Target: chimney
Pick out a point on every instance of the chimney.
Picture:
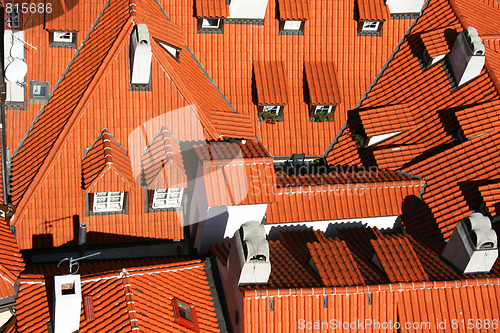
(247, 9)
(68, 303)
(472, 247)
(249, 254)
(140, 54)
(467, 56)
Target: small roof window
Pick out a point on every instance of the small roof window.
(185, 314)
(63, 39)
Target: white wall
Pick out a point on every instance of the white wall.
(405, 6)
(248, 9)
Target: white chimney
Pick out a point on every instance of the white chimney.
(247, 9)
(405, 7)
(249, 254)
(140, 54)
(472, 247)
(68, 303)
(467, 56)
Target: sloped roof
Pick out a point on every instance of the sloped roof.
(11, 261)
(132, 297)
(387, 119)
(63, 16)
(106, 167)
(491, 197)
(211, 8)
(482, 16)
(293, 9)
(322, 82)
(398, 258)
(335, 263)
(271, 82)
(478, 119)
(225, 150)
(438, 42)
(163, 164)
(342, 195)
(373, 10)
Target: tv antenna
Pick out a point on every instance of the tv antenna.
(75, 262)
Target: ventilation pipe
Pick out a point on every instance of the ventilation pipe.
(141, 55)
(467, 56)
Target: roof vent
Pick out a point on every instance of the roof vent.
(68, 303)
(467, 56)
(251, 249)
(472, 247)
(140, 56)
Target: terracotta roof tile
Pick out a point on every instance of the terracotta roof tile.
(296, 242)
(271, 82)
(322, 83)
(106, 167)
(144, 294)
(293, 9)
(225, 150)
(491, 197)
(335, 263)
(163, 164)
(239, 181)
(438, 42)
(212, 8)
(297, 203)
(388, 119)
(373, 10)
(477, 14)
(399, 259)
(64, 17)
(478, 119)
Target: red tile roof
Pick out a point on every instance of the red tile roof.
(63, 16)
(223, 150)
(373, 10)
(484, 17)
(293, 9)
(212, 8)
(271, 82)
(438, 42)
(339, 197)
(133, 297)
(106, 166)
(240, 181)
(335, 263)
(11, 261)
(322, 83)
(388, 119)
(491, 197)
(163, 164)
(478, 119)
(399, 260)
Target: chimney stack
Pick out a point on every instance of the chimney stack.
(467, 56)
(68, 303)
(141, 55)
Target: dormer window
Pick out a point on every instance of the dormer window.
(271, 113)
(370, 28)
(323, 113)
(210, 25)
(166, 198)
(185, 315)
(323, 90)
(292, 27)
(106, 202)
(172, 50)
(64, 39)
(39, 91)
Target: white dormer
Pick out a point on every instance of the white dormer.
(141, 55)
(467, 56)
(68, 303)
(472, 247)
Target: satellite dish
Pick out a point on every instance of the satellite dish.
(16, 71)
(17, 50)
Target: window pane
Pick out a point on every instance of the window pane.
(292, 25)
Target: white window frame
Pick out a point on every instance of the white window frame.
(323, 108)
(205, 23)
(107, 202)
(63, 37)
(167, 198)
(370, 26)
(272, 109)
(37, 90)
(290, 25)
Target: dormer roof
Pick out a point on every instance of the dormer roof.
(293, 10)
(322, 83)
(212, 8)
(106, 167)
(373, 10)
(271, 82)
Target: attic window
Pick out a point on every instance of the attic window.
(185, 315)
(322, 113)
(172, 50)
(166, 198)
(39, 91)
(107, 202)
(370, 28)
(210, 25)
(64, 39)
(271, 113)
(292, 27)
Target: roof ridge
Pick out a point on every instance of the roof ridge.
(34, 177)
(132, 313)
